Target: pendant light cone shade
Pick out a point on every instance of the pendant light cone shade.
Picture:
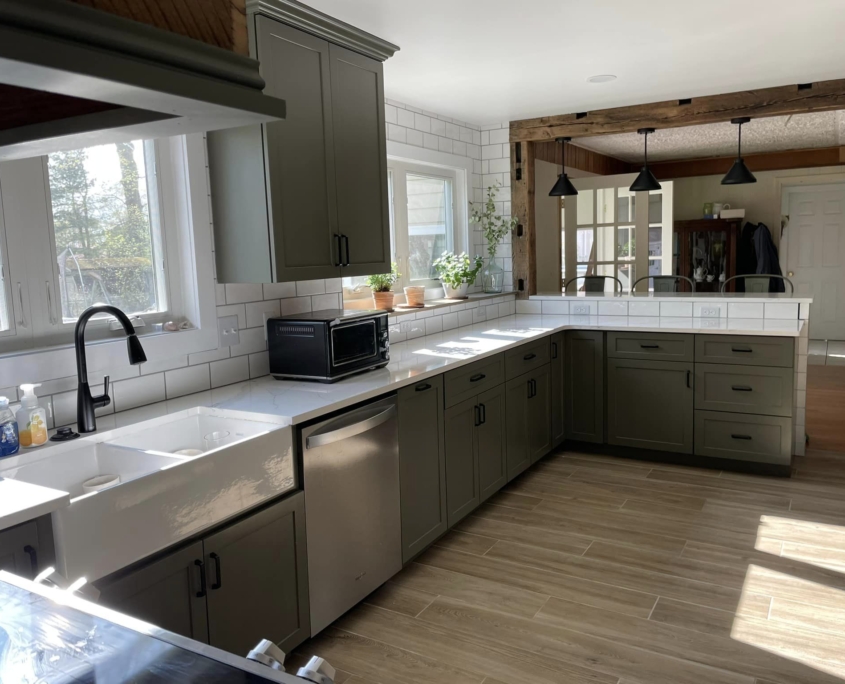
(646, 181)
(563, 186)
(739, 173)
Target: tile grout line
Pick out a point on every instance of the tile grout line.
(584, 552)
(537, 612)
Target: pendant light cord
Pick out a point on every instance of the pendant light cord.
(739, 144)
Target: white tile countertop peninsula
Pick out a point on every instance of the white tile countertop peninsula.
(293, 402)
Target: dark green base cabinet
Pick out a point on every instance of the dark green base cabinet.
(762, 439)
(529, 429)
(585, 385)
(558, 369)
(650, 404)
(475, 451)
(26, 549)
(422, 465)
(245, 582)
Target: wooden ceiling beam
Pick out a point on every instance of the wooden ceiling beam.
(766, 161)
(582, 159)
(782, 100)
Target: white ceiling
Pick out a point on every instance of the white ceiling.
(776, 133)
(488, 61)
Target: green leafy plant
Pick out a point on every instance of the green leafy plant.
(493, 225)
(382, 282)
(456, 269)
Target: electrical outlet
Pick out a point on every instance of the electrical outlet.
(710, 311)
(228, 334)
(581, 309)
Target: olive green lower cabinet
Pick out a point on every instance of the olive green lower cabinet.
(558, 370)
(475, 451)
(529, 419)
(19, 549)
(650, 404)
(584, 390)
(422, 465)
(245, 582)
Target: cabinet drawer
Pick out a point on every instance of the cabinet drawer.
(748, 351)
(526, 358)
(464, 383)
(767, 391)
(764, 439)
(654, 346)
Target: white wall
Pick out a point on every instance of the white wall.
(761, 200)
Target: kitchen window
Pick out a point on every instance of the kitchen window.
(424, 223)
(125, 224)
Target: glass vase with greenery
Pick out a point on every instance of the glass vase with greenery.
(381, 284)
(457, 272)
(494, 227)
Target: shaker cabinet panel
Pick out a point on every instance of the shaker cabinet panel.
(360, 148)
(539, 413)
(19, 550)
(492, 458)
(169, 593)
(558, 380)
(422, 465)
(462, 495)
(518, 441)
(585, 385)
(300, 152)
(650, 404)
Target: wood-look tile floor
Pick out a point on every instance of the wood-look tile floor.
(596, 570)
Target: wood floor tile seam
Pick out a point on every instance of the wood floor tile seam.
(584, 552)
(651, 612)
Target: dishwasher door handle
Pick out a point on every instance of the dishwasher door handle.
(348, 431)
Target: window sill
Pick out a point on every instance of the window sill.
(430, 304)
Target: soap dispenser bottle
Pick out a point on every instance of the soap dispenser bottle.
(9, 442)
(32, 419)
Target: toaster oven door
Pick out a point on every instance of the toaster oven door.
(354, 345)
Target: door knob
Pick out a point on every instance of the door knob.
(790, 273)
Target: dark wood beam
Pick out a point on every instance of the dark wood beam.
(524, 237)
(783, 100)
(581, 158)
(767, 161)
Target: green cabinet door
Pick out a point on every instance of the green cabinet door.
(169, 593)
(360, 154)
(539, 416)
(19, 550)
(422, 465)
(462, 494)
(558, 373)
(257, 577)
(518, 441)
(584, 393)
(492, 459)
(650, 404)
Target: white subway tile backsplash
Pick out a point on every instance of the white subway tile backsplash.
(500, 135)
(405, 118)
(295, 305)
(745, 310)
(430, 141)
(326, 301)
(554, 308)
(238, 310)
(334, 285)
(229, 371)
(159, 366)
(707, 308)
(643, 308)
(310, 287)
(147, 389)
(396, 133)
(237, 293)
(422, 123)
(187, 380)
(390, 114)
(434, 325)
(450, 320)
(208, 356)
(613, 308)
(259, 364)
(413, 137)
(676, 309)
(255, 312)
(464, 317)
(782, 310)
(524, 306)
(252, 340)
(444, 145)
(279, 290)
(438, 127)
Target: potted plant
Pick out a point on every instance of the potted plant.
(380, 284)
(457, 272)
(494, 227)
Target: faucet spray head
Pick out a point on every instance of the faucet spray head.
(136, 351)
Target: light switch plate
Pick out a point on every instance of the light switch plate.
(228, 334)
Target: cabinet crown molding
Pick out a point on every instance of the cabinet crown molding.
(322, 25)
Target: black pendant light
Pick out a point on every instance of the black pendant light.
(739, 173)
(563, 187)
(646, 181)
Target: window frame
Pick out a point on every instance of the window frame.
(40, 352)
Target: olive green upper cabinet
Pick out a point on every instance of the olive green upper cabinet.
(305, 198)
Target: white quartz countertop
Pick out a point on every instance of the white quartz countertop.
(295, 402)
(750, 297)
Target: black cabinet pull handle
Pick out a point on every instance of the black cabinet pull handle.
(689, 375)
(528, 357)
(744, 350)
(423, 388)
(483, 414)
(741, 388)
(477, 415)
(532, 388)
(339, 250)
(33, 558)
(476, 378)
(218, 574)
(346, 244)
(740, 436)
(554, 350)
(649, 346)
(201, 566)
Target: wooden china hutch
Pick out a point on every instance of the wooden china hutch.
(705, 251)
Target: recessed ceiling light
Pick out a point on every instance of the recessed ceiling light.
(601, 78)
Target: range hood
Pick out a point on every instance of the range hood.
(71, 77)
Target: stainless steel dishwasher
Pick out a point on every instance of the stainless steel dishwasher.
(352, 516)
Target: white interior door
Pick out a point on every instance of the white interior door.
(816, 255)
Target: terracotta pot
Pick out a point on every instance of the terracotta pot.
(456, 292)
(415, 296)
(383, 301)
